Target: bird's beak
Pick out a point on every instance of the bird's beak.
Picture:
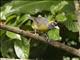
(57, 27)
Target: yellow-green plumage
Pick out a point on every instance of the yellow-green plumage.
(40, 27)
(41, 24)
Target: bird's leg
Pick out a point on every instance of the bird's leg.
(46, 37)
(35, 31)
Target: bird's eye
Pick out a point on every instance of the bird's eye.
(55, 23)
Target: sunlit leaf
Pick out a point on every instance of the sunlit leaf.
(54, 34)
(22, 48)
(19, 51)
(56, 8)
(75, 58)
(4, 13)
(61, 17)
(13, 35)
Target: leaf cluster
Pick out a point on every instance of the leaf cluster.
(16, 13)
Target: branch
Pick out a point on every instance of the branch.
(37, 37)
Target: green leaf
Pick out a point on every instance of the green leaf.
(33, 7)
(22, 48)
(6, 48)
(13, 35)
(4, 13)
(56, 8)
(54, 34)
(2, 33)
(9, 18)
(50, 18)
(23, 19)
(2, 16)
(61, 17)
(71, 25)
(18, 3)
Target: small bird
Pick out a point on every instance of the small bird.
(42, 24)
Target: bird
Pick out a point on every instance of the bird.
(42, 24)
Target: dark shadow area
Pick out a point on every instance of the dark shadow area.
(2, 2)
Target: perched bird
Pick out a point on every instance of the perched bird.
(42, 24)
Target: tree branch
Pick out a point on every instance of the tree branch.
(37, 37)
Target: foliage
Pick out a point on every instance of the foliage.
(16, 13)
